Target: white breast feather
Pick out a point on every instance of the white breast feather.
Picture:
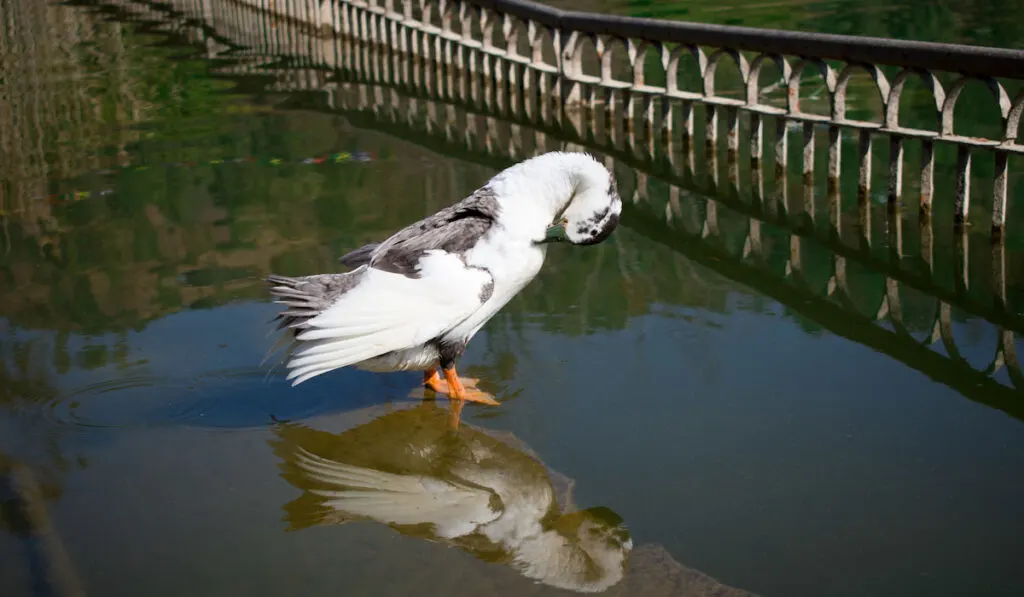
(513, 262)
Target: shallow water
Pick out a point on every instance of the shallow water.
(755, 432)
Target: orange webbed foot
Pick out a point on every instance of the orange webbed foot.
(455, 387)
(465, 389)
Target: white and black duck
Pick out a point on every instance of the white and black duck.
(414, 300)
(465, 488)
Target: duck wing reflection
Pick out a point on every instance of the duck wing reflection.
(415, 472)
(452, 508)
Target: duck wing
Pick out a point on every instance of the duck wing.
(453, 509)
(382, 312)
(454, 229)
(407, 290)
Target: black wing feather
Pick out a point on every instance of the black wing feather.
(453, 229)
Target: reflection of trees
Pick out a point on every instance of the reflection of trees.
(177, 237)
(167, 237)
(23, 514)
(26, 390)
(69, 103)
(33, 462)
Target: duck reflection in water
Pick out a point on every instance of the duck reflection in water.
(422, 474)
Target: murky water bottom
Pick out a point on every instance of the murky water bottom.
(745, 446)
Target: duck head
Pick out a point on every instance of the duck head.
(593, 210)
(589, 219)
(583, 551)
(559, 196)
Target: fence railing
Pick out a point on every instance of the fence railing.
(656, 75)
(544, 51)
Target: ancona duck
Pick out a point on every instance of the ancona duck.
(414, 301)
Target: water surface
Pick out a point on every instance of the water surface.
(753, 437)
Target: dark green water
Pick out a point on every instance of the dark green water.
(752, 436)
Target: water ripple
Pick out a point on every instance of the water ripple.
(229, 398)
(119, 402)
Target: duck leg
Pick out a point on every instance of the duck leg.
(457, 390)
(433, 381)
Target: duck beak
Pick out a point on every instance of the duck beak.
(555, 233)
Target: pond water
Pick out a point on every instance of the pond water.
(752, 437)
